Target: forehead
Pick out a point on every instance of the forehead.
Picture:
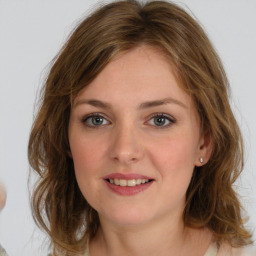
(142, 72)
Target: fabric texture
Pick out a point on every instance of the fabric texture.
(227, 250)
(212, 250)
(224, 250)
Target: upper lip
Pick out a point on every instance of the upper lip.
(129, 176)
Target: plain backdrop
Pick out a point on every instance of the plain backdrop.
(32, 32)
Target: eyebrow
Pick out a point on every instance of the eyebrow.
(156, 103)
(144, 105)
(93, 102)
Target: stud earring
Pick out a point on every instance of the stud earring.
(201, 160)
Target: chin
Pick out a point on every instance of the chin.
(128, 217)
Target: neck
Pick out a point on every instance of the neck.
(165, 237)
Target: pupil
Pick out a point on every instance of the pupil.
(97, 120)
(159, 121)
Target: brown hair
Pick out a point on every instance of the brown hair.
(57, 203)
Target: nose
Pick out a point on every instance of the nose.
(126, 146)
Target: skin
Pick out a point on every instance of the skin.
(130, 141)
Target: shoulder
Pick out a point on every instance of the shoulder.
(227, 250)
(244, 251)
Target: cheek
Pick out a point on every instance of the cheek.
(86, 153)
(87, 156)
(175, 157)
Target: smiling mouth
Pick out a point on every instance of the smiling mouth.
(128, 183)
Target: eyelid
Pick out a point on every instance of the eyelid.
(171, 119)
(161, 114)
(94, 114)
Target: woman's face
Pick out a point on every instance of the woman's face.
(135, 140)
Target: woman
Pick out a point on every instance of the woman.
(135, 142)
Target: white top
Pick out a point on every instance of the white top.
(212, 250)
(224, 250)
(227, 250)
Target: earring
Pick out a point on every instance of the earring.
(201, 160)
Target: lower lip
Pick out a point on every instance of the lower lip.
(128, 191)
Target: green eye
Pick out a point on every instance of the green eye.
(95, 120)
(161, 120)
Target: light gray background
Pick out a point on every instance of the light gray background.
(31, 33)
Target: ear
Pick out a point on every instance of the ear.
(70, 154)
(204, 150)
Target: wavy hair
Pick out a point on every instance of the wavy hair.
(57, 203)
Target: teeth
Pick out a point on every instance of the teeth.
(123, 183)
(117, 182)
(128, 183)
(131, 183)
(138, 181)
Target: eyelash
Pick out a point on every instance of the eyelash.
(93, 115)
(155, 115)
(165, 116)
